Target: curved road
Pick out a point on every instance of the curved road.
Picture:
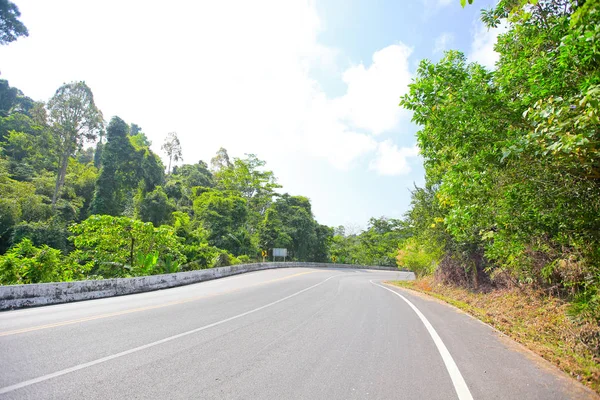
(293, 333)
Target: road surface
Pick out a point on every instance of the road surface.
(293, 333)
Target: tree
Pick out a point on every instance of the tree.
(121, 246)
(74, 118)
(247, 177)
(25, 263)
(172, 147)
(10, 26)
(194, 174)
(12, 100)
(155, 207)
(116, 155)
(223, 215)
(512, 155)
(220, 161)
(135, 129)
(288, 222)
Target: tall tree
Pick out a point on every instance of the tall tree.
(74, 118)
(220, 161)
(172, 147)
(115, 154)
(10, 26)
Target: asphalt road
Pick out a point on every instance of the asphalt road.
(276, 334)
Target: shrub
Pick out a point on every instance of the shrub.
(50, 233)
(420, 258)
(25, 263)
(116, 244)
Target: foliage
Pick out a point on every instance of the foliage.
(12, 100)
(10, 26)
(25, 263)
(376, 245)
(415, 256)
(155, 207)
(223, 215)
(511, 155)
(125, 215)
(289, 223)
(51, 233)
(75, 119)
(114, 244)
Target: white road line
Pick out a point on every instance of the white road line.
(43, 378)
(462, 390)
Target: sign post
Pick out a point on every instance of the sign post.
(279, 253)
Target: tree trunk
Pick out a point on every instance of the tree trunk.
(60, 178)
(131, 253)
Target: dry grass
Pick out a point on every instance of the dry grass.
(538, 322)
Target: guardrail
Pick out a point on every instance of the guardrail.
(40, 294)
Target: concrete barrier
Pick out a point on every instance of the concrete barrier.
(40, 294)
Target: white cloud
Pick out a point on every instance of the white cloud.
(392, 160)
(482, 46)
(443, 42)
(371, 101)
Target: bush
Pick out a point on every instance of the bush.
(121, 246)
(420, 258)
(25, 263)
(201, 255)
(50, 233)
(244, 259)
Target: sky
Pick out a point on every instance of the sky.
(311, 87)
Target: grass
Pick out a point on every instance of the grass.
(539, 322)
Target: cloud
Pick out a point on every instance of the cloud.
(443, 42)
(371, 101)
(342, 129)
(482, 46)
(392, 160)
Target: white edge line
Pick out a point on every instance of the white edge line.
(43, 378)
(460, 386)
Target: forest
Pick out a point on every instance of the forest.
(512, 159)
(82, 199)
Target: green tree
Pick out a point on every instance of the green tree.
(120, 246)
(511, 155)
(223, 214)
(115, 159)
(193, 175)
(289, 223)
(10, 26)
(155, 207)
(251, 181)
(74, 118)
(25, 263)
(12, 100)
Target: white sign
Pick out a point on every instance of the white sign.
(279, 252)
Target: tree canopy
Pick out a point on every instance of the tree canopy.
(512, 156)
(101, 203)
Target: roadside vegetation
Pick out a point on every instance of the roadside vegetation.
(507, 225)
